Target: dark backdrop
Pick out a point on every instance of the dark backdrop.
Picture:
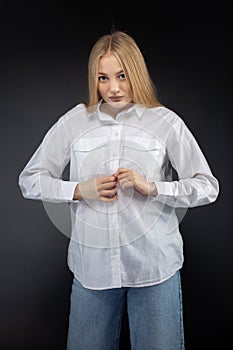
(44, 51)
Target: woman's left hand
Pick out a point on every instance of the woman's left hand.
(129, 178)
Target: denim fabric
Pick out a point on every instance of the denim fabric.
(155, 317)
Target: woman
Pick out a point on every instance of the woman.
(125, 246)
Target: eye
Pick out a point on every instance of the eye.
(122, 76)
(102, 78)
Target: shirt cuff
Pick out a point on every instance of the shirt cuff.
(68, 188)
(164, 189)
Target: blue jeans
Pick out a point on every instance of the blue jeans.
(154, 313)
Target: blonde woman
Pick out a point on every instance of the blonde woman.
(125, 246)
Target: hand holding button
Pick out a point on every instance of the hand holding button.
(129, 178)
(102, 188)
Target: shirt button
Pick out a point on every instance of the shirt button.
(115, 252)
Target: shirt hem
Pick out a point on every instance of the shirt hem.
(126, 284)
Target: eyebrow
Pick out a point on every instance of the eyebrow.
(121, 71)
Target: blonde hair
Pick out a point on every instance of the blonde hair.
(124, 47)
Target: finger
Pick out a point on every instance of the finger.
(109, 185)
(120, 171)
(109, 199)
(123, 176)
(123, 180)
(105, 179)
(106, 186)
(108, 193)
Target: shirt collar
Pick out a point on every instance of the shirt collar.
(104, 117)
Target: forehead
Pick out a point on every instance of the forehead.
(109, 64)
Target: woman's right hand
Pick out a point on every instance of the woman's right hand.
(103, 188)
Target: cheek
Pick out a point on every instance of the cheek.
(102, 89)
(127, 88)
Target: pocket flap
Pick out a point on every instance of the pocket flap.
(142, 143)
(89, 144)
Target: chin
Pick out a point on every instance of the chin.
(118, 104)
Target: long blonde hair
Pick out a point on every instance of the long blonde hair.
(124, 47)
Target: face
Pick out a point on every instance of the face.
(112, 84)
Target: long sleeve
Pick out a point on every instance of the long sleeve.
(196, 185)
(41, 179)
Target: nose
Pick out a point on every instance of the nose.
(114, 88)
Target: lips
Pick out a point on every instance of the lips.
(116, 98)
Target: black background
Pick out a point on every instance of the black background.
(44, 51)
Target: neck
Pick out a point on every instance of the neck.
(113, 111)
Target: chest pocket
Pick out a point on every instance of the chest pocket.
(90, 156)
(142, 154)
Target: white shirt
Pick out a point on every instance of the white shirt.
(135, 240)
